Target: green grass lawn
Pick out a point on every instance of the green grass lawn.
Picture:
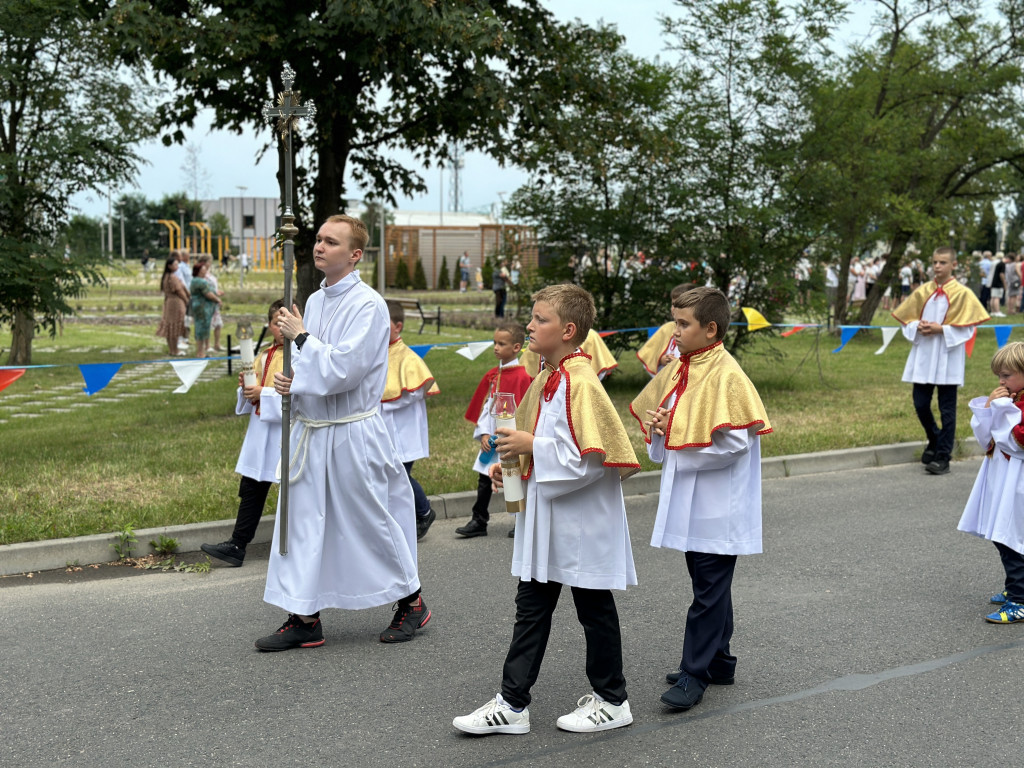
(162, 459)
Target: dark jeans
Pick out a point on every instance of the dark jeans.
(252, 497)
(483, 498)
(1013, 564)
(595, 609)
(709, 620)
(499, 302)
(420, 502)
(942, 438)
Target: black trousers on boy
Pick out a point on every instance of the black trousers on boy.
(595, 609)
(943, 438)
(252, 497)
(483, 498)
(1013, 564)
(709, 619)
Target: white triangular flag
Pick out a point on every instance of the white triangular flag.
(188, 371)
(474, 349)
(888, 334)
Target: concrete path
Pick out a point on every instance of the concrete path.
(859, 633)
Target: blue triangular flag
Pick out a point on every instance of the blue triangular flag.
(422, 349)
(1002, 334)
(97, 375)
(849, 331)
(651, 331)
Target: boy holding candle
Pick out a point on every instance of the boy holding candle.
(574, 453)
(261, 449)
(508, 376)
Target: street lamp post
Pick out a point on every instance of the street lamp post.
(120, 209)
(181, 225)
(241, 237)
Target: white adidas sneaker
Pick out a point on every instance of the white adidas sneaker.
(595, 714)
(496, 716)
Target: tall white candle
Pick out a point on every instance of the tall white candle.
(248, 357)
(505, 416)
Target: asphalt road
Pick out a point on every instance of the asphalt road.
(859, 634)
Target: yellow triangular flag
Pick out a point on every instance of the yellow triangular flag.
(755, 320)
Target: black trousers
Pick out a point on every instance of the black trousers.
(595, 609)
(942, 438)
(499, 302)
(483, 498)
(709, 620)
(252, 497)
(1013, 564)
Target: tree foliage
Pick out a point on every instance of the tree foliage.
(411, 74)
(69, 122)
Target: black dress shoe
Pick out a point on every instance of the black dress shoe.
(473, 528)
(225, 551)
(928, 455)
(685, 694)
(423, 523)
(937, 467)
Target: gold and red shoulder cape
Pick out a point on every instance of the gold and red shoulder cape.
(601, 358)
(655, 347)
(593, 422)
(964, 307)
(406, 373)
(712, 392)
(270, 361)
(512, 379)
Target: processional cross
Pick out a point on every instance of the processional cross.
(287, 110)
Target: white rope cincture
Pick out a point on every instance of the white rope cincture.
(302, 444)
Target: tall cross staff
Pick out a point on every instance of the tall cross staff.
(286, 110)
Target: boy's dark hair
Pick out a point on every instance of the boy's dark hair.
(708, 305)
(572, 304)
(396, 311)
(515, 330)
(680, 289)
(274, 308)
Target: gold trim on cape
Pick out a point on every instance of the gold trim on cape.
(713, 393)
(406, 373)
(964, 307)
(656, 346)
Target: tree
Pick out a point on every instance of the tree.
(69, 122)
(389, 75)
(913, 125)
(419, 277)
(443, 279)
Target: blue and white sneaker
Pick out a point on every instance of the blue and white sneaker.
(999, 598)
(496, 716)
(1010, 613)
(593, 713)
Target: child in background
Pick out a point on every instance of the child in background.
(574, 452)
(508, 376)
(994, 509)
(702, 420)
(404, 407)
(261, 449)
(660, 349)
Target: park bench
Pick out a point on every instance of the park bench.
(426, 316)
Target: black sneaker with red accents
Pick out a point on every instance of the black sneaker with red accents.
(408, 618)
(294, 633)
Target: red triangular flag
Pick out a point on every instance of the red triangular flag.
(969, 346)
(10, 376)
(793, 330)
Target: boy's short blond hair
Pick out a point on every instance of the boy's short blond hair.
(945, 250)
(1009, 358)
(359, 236)
(708, 305)
(515, 330)
(572, 304)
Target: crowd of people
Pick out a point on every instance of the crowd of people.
(191, 297)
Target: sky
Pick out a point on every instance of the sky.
(231, 164)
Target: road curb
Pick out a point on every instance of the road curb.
(641, 491)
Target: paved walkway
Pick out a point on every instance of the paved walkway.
(859, 633)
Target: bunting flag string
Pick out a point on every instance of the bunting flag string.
(97, 376)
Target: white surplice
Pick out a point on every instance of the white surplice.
(406, 420)
(936, 359)
(710, 498)
(994, 508)
(574, 530)
(261, 448)
(352, 532)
